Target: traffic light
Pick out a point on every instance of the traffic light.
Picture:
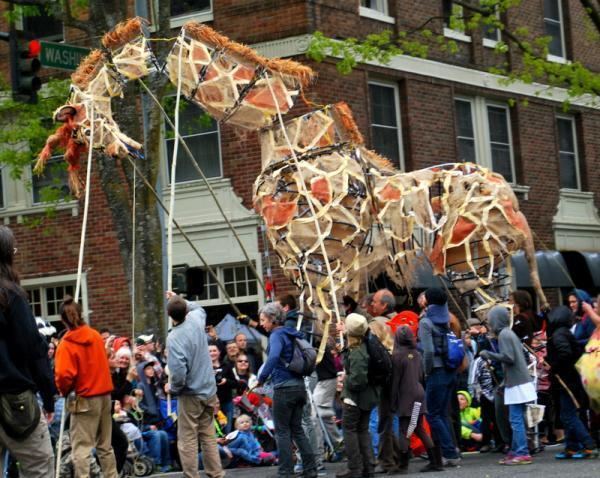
(24, 65)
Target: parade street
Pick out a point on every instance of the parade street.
(475, 465)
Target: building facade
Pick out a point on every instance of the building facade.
(417, 112)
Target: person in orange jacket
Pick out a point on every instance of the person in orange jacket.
(82, 367)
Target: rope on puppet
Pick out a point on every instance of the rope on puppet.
(186, 237)
(207, 183)
(317, 228)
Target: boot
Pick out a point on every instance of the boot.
(435, 460)
(403, 463)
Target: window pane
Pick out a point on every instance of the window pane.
(466, 150)
(566, 141)
(179, 7)
(552, 9)
(230, 288)
(214, 291)
(464, 119)
(241, 289)
(568, 171)
(54, 176)
(383, 104)
(553, 30)
(385, 142)
(501, 161)
(240, 273)
(228, 274)
(497, 118)
(252, 289)
(205, 149)
(491, 33)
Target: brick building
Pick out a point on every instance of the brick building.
(416, 112)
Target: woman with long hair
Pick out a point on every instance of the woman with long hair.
(242, 371)
(81, 367)
(24, 370)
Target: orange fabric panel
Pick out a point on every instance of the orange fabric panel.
(462, 229)
(277, 213)
(321, 189)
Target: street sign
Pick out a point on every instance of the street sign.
(62, 55)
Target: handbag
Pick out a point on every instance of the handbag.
(19, 414)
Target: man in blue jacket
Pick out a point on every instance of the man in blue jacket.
(289, 392)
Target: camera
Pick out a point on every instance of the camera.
(218, 375)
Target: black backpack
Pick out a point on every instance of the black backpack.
(304, 357)
(380, 360)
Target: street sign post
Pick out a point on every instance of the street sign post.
(62, 55)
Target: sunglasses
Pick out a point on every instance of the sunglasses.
(242, 361)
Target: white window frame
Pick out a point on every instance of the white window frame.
(489, 42)
(200, 16)
(561, 22)
(380, 12)
(167, 169)
(394, 86)
(481, 131)
(54, 281)
(571, 119)
(454, 34)
(221, 300)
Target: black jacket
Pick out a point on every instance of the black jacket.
(563, 349)
(24, 361)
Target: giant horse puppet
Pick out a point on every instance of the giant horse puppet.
(336, 213)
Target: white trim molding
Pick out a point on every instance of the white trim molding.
(298, 45)
(576, 223)
(376, 15)
(456, 35)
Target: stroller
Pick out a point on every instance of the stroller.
(259, 408)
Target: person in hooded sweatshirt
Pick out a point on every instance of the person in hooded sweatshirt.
(563, 352)
(440, 382)
(408, 399)
(518, 384)
(289, 395)
(82, 367)
(583, 326)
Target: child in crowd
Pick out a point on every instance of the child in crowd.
(470, 420)
(408, 399)
(482, 389)
(241, 446)
(519, 389)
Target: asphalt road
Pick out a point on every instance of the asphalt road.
(473, 466)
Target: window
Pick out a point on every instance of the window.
(44, 25)
(484, 136)
(52, 183)
(238, 280)
(201, 133)
(385, 121)
(567, 153)
(45, 300)
(453, 16)
(491, 34)
(179, 7)
(554, 25)
(380, 6)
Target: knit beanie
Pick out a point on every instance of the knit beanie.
(356, 325)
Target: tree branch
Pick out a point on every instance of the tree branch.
(593, 11)
(70, 21)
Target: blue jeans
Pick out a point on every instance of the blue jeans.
(227, 409)
(288, 407)
(157, 446)
(516, 416)
(576, 435)
(439, 389)
(373, 426)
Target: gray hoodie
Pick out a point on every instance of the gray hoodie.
(511, 353)
(190, 367)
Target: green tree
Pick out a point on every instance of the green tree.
(470, 16)
(29, 129)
